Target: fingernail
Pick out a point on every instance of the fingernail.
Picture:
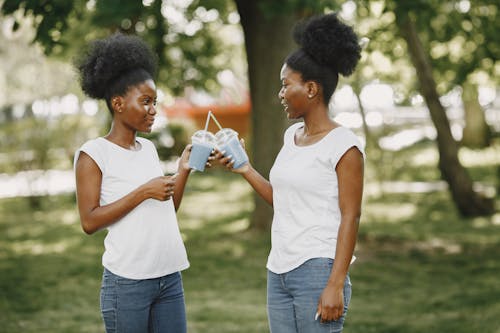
(316, 316)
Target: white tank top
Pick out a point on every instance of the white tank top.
(305, 198)
(146, 243)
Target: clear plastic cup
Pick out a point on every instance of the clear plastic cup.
(203, 143)
(227, 140)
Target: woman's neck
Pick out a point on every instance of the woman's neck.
(317, 123)
(123, 138)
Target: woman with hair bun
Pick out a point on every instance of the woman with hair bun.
(315, 186)
(120, 186)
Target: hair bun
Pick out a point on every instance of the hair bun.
(329, 42)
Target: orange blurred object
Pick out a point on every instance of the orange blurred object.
(235, 116)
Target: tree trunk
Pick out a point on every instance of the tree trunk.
(476, 131)
(468, 202)
(267, 40)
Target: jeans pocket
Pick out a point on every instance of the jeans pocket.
(108, 300)
(109, 318)
(121, 281)
(318, 263)
(347, 292)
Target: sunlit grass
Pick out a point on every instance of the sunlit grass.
(391, 213)
(206, 201)
(421, 267)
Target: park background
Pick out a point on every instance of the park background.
(425, 101)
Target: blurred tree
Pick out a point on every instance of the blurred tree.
(268, 41)
(468, 202)
(395, 32)
(190, 44)
(189, 38)
(36, 144)
(172, 139)
(25, 73)
(463, 43)
(476, 132)
(267, 26)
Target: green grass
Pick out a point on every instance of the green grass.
(421, 267)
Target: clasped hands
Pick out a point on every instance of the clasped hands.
(216, 156)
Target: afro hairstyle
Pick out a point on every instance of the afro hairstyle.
(110, 66)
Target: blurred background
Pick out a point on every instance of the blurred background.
(424, 100)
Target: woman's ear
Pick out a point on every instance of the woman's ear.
(117, 104)
(312, 89)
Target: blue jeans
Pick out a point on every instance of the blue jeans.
(292, 298)
(143, 306)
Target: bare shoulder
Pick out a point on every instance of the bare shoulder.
(86, 165)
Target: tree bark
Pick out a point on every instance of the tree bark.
(468, 202)
(476, 132)
(267, 40)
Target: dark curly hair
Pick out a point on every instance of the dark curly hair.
(328, 47)
(110, 66)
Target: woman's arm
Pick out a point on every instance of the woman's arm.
(93, 216)
(350, 182)
(182, 175)
(261, 185)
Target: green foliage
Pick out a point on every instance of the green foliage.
(112, 13)
(190, 52)
(25, 73)
(28, 142)
(474, 31)
(51, 17)
(460, 36)
(34, 143)
(224, 7)
(171, 141)
(385, 58)
(300, 8)
(461, 40)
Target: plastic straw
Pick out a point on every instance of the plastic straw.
(215, 120)
(208, 119)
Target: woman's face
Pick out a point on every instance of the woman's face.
(139, 107)
(293, 93)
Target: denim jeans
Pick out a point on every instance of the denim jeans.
(143, 306)
(292, 298)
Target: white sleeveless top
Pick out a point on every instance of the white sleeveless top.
(305, 198)
(146, 243)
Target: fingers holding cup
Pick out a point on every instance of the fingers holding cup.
(231, 146)
(203, 144)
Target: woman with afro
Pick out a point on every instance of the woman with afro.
(120, 186)
(315, 186)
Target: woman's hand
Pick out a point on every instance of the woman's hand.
(184, 159)
(160, 188)
(228, 161)
(331, 303)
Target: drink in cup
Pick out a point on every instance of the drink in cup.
(227, 140)
(203, 143)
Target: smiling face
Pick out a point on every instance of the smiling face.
(293, 93)
(137, 109)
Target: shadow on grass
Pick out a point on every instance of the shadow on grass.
(420, 268)
(425, 291)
